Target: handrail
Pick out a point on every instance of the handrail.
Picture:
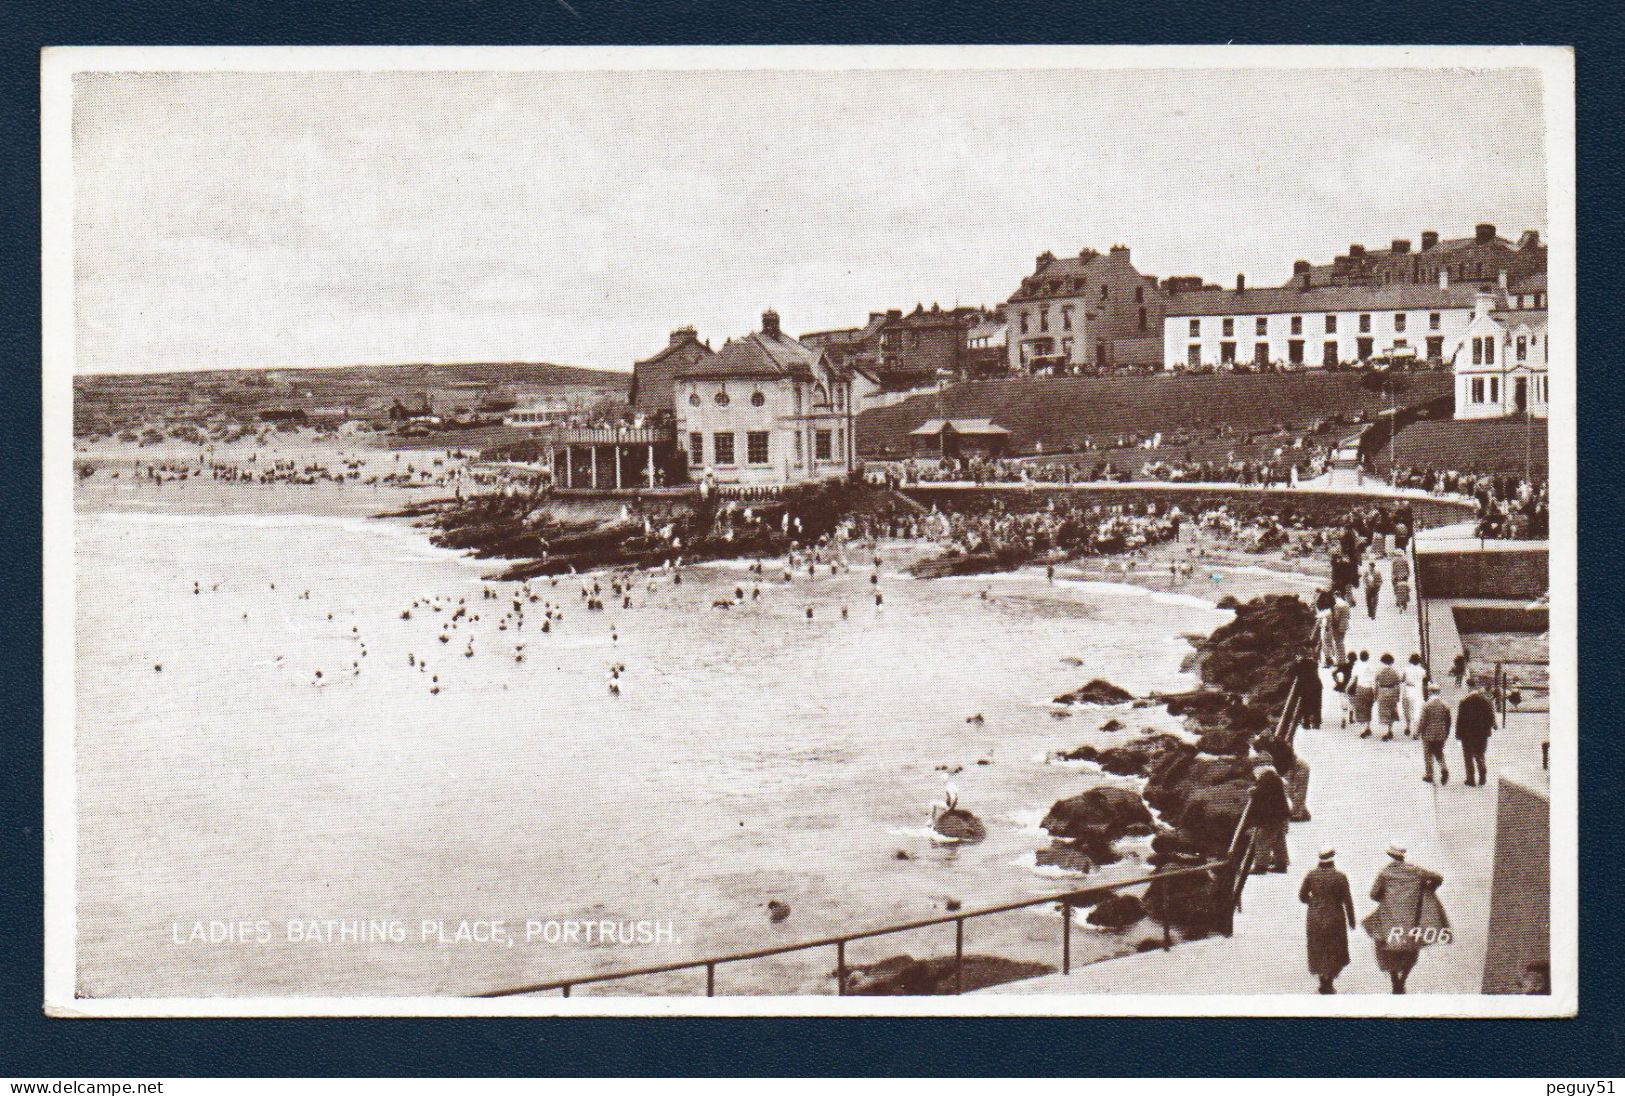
(1068, 899)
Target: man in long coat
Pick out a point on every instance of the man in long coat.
(1325, 891)
(1408, 916)
(1475, 722)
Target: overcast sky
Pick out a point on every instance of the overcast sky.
(227, 221)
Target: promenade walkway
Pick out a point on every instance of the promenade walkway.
(1363, 794)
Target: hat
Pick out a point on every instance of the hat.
(1263, 765)
(1327, 855)
(1396, 850)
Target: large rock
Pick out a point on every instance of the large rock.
(1097, 691)
(1137, 758)
(1098, 817)
(903, 975)
(1117, 911)
(960, 824)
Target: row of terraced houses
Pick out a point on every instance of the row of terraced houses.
(769, 408)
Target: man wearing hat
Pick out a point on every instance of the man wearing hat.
(1268, 812)
(1433, 728)
(1408, 916)
(1325, 891)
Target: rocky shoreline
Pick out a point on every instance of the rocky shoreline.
(1198, 791)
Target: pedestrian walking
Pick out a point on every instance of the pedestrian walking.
(1330, 919)
(1373, 588)
(1408, 916)
(1342, 610)
(1388, 684)
(1268, 812)
(1365, 691)
(1433, 728)
(1343, 682)
(1475, 722)
(1411, 693)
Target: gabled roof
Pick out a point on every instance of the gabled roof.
(1336, 298)
(1531, 283)
(756, 355)
(932, 427)
(669, 349)
(1514, 318)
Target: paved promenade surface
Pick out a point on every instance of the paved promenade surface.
(1363, 794)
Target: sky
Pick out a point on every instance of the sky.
(241, 220)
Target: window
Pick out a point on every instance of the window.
(1523, 349)
(1489, 350)
(1362, 349)
(724, 447)
(1105, 291)
(1435, 347)
(1331, 324)
(1478, 351)
(722, 397)
(1196, 329)
(757, 399)
(822, 445)
(1294, 351)
(1227, 353)
(1043, 318)
(1142, 319)
(1297, 325)
(1261, 326)
(1024, 323)
(1139, 294)
(1495, 389)
(1193, 354)
(795, 456)
(756, 446)
(1433, 321)
(693, 399)
(696, 450)
(1261, 353)
(1399, 321)
(1365, 322)
(1401, 344)
(1478, 389)
(1066, 349)
(1066, 317)
(1229, 327)
(1328, 352)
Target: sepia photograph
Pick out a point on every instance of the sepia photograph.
(810, 530)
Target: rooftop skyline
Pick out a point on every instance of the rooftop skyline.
(240, 220)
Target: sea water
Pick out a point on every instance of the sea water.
(751, 756)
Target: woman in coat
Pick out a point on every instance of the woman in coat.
(1309, 691)
(1408, 916)
(1325, 891)
(1388, 682)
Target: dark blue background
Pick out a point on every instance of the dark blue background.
(1589, 1046)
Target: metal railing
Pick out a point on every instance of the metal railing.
(1068, 901)
(1511, 692)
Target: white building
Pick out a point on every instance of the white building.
(539, 411)
(766, 410)
(1501, 367)
(1304, 327)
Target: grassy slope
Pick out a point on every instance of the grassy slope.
(1490, 445)
(1060, 412)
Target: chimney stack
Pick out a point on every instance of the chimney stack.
(1401, 247)
(1302, 266)
(1530, 238)
(1430, 240)
(1241, 282)
(1444, 278)
(1483, 302)
(1356, 251)
(1503, 277)
(1043, 260)
(681, 334)
(770, 323)
(1120, 249)
(1484, 234)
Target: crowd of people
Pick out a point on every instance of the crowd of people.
(1509, 507)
